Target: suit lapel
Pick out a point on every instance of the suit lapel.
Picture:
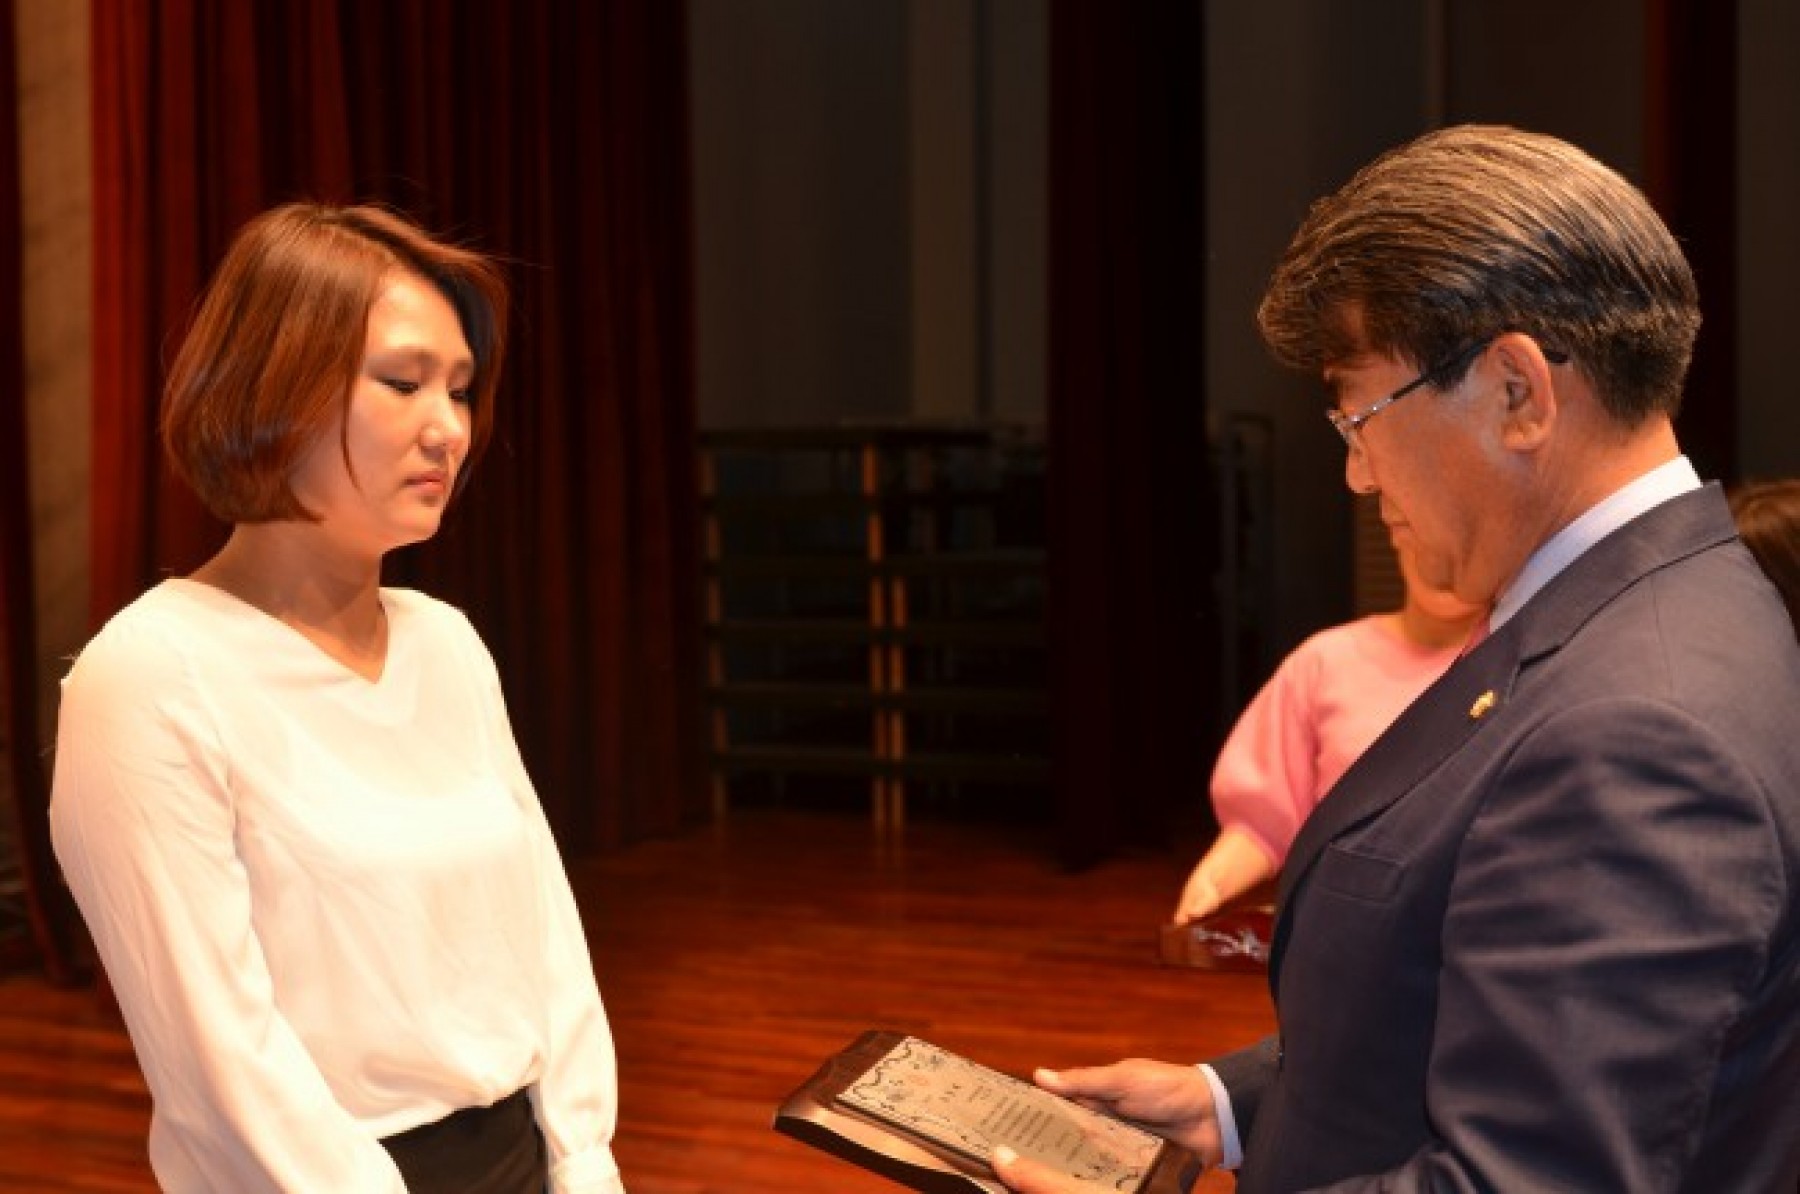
(1471, 697)
(1464, 701)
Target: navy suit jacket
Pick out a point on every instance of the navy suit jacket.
(1544, 935)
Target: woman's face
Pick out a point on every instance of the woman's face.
(406, 427)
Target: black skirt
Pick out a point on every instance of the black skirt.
(478, 1150)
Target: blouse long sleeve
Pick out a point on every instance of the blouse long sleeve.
(143, 822)
(576, 1096)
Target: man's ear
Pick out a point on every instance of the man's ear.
(1530, 400)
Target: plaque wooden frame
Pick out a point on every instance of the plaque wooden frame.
(813, 1114)
(1234, 941)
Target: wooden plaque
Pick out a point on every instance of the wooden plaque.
(1235, 940)
(928, 1119)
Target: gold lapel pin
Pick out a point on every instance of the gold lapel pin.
(1483, 703)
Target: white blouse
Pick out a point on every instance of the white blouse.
(331, 907)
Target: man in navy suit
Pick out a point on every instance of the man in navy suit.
(1545, 935)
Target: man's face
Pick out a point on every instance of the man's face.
(1433, 468)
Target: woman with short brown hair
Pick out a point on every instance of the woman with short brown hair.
(288, 798)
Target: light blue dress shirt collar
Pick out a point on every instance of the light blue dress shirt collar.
(1668, 480)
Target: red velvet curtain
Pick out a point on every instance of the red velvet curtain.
(1131, 502)
(46, 907)
(1690, 135)
(552, 134)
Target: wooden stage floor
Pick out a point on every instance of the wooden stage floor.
(732, 961)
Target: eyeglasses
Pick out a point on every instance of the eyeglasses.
(1350, 426)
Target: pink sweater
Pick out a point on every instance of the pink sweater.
(1329, 699)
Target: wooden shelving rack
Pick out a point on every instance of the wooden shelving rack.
(874, 608)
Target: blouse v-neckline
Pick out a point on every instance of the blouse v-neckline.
(209, 592)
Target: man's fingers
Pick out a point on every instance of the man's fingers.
(1026, 1176)
(1094, 1086)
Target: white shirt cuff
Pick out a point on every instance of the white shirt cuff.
(592, 1171)
(1228, 1131)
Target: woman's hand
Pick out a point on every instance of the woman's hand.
(1199, 898)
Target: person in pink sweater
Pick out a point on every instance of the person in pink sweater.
(1325, 704)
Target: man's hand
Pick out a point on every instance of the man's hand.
(1030, 1177)
(1174, 1101)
